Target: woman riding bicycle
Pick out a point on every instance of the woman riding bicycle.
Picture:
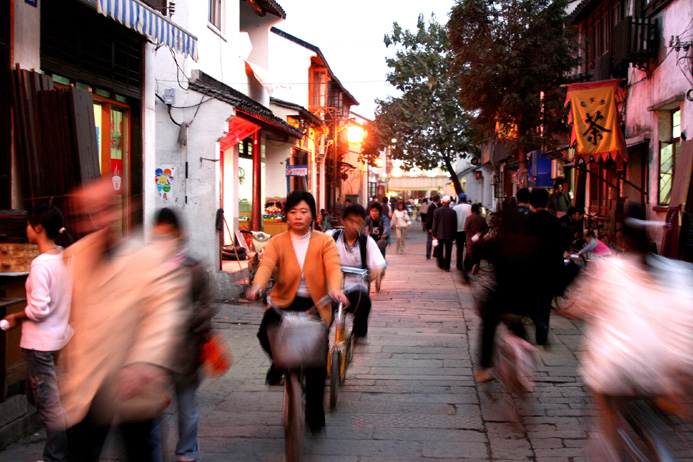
(308, 275)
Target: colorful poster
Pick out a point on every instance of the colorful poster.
(164, 177)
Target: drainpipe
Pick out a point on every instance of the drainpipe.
(256, 223)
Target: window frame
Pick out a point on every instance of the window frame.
(675, 143)
(215, 14)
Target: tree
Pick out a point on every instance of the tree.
(509, 58)
(427, 121)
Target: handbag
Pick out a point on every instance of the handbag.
(298, 341)
(215, 356)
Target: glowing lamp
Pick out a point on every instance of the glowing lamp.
(355, 134)
(378, 162)
(396, 172)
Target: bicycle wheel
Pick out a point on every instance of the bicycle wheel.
(346, 358)
(335, 362)
(293, 417)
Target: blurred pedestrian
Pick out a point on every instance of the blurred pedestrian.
(385, 208)
(422, 213)
(197, 329)
(475, 228)
(401, 221)
(432, 206)
(44, 321)
(338, 210)
(463, 210)
(638, 340)
(444, 230)
(553, 239)
(126, 313)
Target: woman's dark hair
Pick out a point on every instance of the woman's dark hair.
(354, 210)
(167, 216)
(375, 205)
(296, 197)
(539, 198)
(402, 204)
(51, 220)
(475, 208)
(590, 233)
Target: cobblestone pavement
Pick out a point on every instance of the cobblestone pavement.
(409, 395)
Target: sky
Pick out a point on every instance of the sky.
(350, 35)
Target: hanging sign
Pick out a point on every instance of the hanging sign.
(596, 123)
(296, 170)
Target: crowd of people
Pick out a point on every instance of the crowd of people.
(129, 318)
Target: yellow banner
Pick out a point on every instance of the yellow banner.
(596, 121)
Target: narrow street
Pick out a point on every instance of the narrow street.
(409, 395)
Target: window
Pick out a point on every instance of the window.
(318, 88)
(159, 5)
(598, 29)
(215, 13)
(669, 148)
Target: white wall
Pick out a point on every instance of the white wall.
(290, 64)
(27, 35)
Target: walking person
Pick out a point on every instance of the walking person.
(432, 206)
(553, 239)
(126, 314)
(463, 210)
(402, 221)
(308, 274)
(422, 213)
(475, 228)
(44, 321)
(196, 331)
(444, 230)
(385, 208)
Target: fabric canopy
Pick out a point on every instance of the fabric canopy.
(143, 19)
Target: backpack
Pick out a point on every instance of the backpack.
(363, 242)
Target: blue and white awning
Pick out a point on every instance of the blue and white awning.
(151, 24)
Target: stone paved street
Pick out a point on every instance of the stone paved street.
(409, 395)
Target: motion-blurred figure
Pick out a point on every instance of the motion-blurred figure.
(126, 315)
(639, 335)
(196, 330)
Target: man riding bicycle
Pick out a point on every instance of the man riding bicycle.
(359, 251)
(377, 226)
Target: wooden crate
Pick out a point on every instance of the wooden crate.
(16, 258)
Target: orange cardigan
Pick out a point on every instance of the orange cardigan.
(321, 270)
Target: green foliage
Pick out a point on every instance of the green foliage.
(504, 54)
(427, 120)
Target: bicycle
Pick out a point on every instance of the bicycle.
(514, 364)
(298, 343)
(644, 433)
(341, 352)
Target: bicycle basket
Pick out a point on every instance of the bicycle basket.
(298, 341)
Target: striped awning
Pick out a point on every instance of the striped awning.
(150, 23)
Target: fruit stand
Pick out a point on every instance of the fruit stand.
(273, 217)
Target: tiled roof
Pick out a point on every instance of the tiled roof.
(267, 6)
(303, 112)
(578, 9)
(315, 49)
(203, 83)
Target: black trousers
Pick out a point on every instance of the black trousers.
(444, 253)
(142, 441)
(460, 239)
(492, 310)
(315, 377)
(360, 307)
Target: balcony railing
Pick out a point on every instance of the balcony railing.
(634, 41)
